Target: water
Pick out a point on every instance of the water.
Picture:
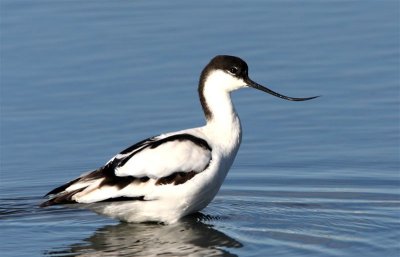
(81, 80)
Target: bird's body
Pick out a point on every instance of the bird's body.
(166, 177)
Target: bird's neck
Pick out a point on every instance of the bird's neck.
(223, 123)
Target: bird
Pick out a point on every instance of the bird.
(166, 177)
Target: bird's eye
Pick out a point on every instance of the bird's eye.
(233, 70)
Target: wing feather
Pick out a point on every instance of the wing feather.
(137, 170)
(161, 160)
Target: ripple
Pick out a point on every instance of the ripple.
(327, 223)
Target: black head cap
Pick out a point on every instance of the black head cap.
(230, 64)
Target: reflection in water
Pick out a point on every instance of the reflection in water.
(187, 237)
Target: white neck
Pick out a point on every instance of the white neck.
(223, 125)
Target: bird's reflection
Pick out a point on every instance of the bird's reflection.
(188, 237)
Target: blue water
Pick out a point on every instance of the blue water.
(82, 80)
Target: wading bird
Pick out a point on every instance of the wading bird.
(166, 177)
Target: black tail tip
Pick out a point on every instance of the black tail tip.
(46, 204)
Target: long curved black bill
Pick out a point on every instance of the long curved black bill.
(253, 84)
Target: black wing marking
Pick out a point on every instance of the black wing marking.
(138, 145)
(151, 143)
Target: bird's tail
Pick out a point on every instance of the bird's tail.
(64, 194)
(64, 197)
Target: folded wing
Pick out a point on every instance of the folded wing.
(138, 170)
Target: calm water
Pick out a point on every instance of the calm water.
(81, 80)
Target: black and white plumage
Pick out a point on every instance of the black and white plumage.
(166, 177)
(138, 164)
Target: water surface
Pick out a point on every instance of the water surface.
(81, 81)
